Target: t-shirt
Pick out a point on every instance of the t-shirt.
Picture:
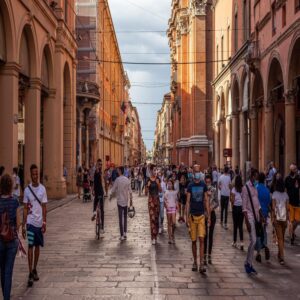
(16, 191)
(171, 198)
(247, 207)
(280, 205)
(264, 198)
(197, 191)
(237, 198)
(292, 185)
(224, 182)
(122, 189)
(35, 212)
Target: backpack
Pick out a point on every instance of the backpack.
(7, 233)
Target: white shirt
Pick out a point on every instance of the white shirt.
(238, 201)
(16, 191)
(122, 189)
(171, 198)
(224, 182)
(35, 212)
(281, 200)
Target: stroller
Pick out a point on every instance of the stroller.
(87, 195)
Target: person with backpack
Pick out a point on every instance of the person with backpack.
(34, 217)
(9, 242)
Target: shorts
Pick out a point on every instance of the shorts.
(294, 213)
(171, 210)
(35, 236)
(197, 227)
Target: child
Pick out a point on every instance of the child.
(171, 197)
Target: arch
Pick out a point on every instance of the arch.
(294, 62)
(275, 83)
(47, 74)
(29, 35)
(9, 33)
(244, 101)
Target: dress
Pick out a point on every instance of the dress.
(153, 205)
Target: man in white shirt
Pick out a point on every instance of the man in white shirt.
(122, 190)
(224, 188)
(34, 217)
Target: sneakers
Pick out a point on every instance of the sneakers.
(122, 238)
(93, 218)
(35, 275)
(258, 258)
(249, 269)
(253, 271)
(267, 253)
(195, 267)
(30, 280)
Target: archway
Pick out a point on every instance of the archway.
(294, 113)
(276, 97)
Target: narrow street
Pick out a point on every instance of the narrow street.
(75, 266)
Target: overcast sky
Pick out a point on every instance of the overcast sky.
(149, 83)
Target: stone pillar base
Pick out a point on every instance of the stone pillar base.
(71, 184)
(56, 188)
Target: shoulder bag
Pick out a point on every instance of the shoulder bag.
(34, 195)
(258, 225)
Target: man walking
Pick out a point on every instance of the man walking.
(292, 185)
(98, 194)
(196, 205)
(122, 190)
(224, 187)
(34, 216)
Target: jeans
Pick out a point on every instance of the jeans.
(161, 214)
(100, 199)
(280, 227)
(224, 208)
(139, 184)
(262, 243)
(238, 219)
(122, 219)
(252, 237)
(210, 233)
(8, 252)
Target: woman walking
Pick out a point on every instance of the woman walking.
(237, 211)
(280, 217)
(171, 203)
(154, 188)
(182, 198)
(213, 204)
(8, 245)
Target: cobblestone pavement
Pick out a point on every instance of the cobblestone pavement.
(74, 265)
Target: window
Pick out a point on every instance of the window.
(222, 51)
(228, 43)
(297, 5)
(236, 32)
(217, 59)
(283, 15)
(273, 18)
(246, 20)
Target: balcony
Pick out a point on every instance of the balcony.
(252, 57)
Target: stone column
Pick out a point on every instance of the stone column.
(87, 142)
(9, 87)
(269, 133)
(222, 142)
(79, 139)
(243, 143)
(217, 144)
(235, 140)
(228, 131)
(32, 127)
(290, 129)
(254, 138)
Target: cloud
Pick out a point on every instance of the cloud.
(144, 15)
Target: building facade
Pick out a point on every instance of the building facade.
(257, 91)
(37, 90)
(190, 42)
(162, 146)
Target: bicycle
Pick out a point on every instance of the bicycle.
(98, 220)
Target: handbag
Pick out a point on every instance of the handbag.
(7, 233)
(258, 225)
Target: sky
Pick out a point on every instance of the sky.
(148, 83)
